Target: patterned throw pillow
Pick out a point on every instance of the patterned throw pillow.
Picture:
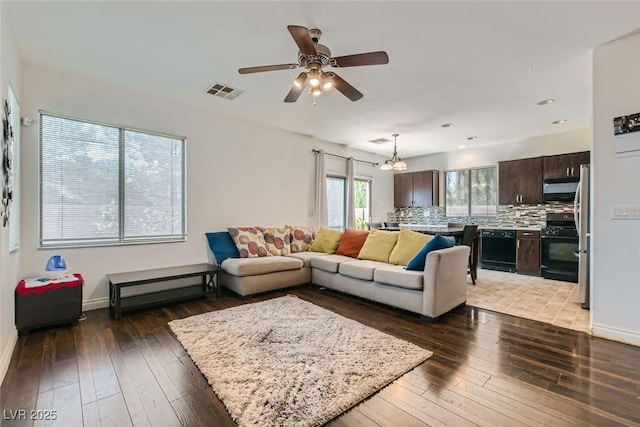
(278, 240)
(250, 241)
(301, 238)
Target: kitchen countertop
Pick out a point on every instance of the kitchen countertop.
(482, 227)
(514, 227)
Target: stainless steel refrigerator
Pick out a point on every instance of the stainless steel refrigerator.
(583, 227)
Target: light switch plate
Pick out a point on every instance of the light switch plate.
(625, 212)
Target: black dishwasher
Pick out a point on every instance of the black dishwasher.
(499, 250)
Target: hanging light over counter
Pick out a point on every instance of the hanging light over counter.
(395, 162)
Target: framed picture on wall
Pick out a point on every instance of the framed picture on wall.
(626, 124)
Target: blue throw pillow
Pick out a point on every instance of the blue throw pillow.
(222, 246)
(438, 242)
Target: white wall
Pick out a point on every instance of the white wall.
(615, 250)
(487, 155)
(490, 155)
(9, 262)
(238, 173)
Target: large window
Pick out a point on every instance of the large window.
(471, 192)
(362, 203)
(337, 202)
(102, 184)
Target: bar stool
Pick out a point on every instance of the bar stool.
(468, 236)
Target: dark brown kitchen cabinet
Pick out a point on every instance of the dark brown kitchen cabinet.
(565, 165)
(415, 189)
(520, 181)
(402, 190)
(528, 252)
(425, 188)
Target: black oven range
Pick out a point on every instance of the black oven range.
(559, 246)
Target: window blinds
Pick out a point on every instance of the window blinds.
(102, 184)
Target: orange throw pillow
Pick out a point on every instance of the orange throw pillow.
(352, 241)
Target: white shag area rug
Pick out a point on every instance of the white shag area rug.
(286, 361)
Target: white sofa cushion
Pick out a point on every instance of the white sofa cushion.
(360, 269)
(254, 266)
(329, 263)
(307, 256)
(399, 277)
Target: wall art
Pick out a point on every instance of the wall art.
(7, 151)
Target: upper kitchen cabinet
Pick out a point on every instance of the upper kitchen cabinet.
(565, 165)
(403, 190)
(520, 181)
(415, 189)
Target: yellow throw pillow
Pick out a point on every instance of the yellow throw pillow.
(378, 245)
(409, 243)
(326, 241)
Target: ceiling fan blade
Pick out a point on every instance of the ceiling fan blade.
(294, 93)
(371, 58)
(345, 88)
(303, 39)
(264, 68)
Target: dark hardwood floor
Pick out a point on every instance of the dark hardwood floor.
(487, 369)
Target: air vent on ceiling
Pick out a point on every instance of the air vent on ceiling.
(224, 91)
(380, 141)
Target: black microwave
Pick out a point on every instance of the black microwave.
(560, 189)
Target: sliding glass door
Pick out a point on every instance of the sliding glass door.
(337, 202)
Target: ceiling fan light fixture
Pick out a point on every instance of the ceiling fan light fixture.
(326, 82)
(314, 77)
(316, 91)
(300, 81)
(313, 57)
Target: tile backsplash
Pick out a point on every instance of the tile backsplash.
(508, 216)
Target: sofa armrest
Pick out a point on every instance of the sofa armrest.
(445, 280)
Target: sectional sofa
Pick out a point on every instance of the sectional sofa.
(430, 292)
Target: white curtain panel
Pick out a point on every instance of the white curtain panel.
(321, 191)
(351, 208)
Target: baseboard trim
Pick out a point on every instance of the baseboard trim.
(95, 304)
(7, 353)
(616, 334)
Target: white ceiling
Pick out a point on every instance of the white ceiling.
(480, 65)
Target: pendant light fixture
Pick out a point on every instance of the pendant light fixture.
(395, 162)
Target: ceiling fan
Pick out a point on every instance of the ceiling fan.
(315, 57)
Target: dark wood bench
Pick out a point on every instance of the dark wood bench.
(117, 281)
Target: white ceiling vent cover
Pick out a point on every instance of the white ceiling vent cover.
(224, 91)
(380, 141)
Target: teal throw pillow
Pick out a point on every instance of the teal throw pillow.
(222, 246)
(438, 242)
